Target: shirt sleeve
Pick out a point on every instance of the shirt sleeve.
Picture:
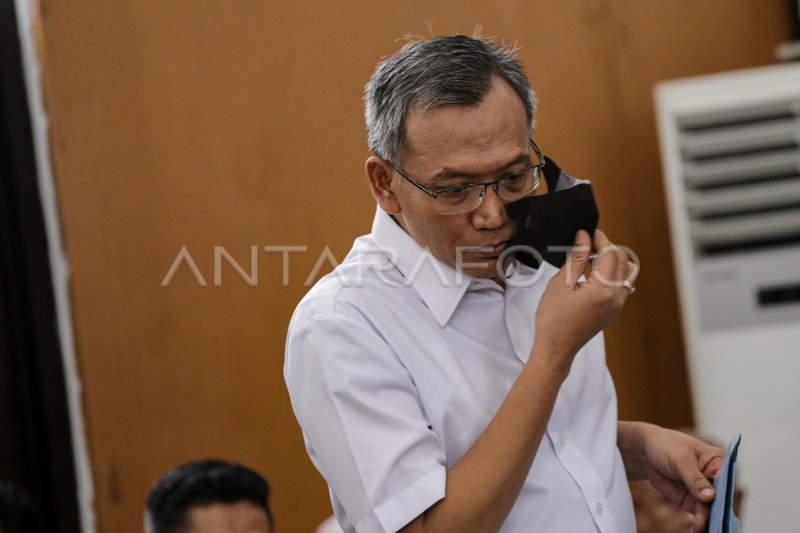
(365, 428)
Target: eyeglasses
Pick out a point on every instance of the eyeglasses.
(467, 197)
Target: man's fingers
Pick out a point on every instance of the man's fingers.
(700, 517)
(673, 490)
(698, 485)
(578, 258)
(632, 272)
(710, 463)
(600, 240)
(611, 265)
(607, 262)
(713, 463)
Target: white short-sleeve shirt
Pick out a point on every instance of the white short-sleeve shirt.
(396, 363)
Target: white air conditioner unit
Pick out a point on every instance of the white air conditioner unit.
(730, 146)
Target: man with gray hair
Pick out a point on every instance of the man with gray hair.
(443, 385)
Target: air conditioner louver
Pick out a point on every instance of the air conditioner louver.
(741, 169)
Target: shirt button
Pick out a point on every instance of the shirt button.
(599, 508)
(562, 439)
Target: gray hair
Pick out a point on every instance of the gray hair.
(448, 70)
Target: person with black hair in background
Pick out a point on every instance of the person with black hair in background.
(209, 496)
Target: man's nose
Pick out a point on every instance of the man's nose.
(491, 214)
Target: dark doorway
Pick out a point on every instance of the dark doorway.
(35, 445)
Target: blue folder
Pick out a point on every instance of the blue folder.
(722, 519)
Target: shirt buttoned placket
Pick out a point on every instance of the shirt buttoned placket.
(520, 322)
(579, 468)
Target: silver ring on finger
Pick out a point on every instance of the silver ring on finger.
(628, 285)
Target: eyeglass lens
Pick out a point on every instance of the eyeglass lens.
(468, 198)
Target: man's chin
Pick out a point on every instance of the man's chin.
(481, 267)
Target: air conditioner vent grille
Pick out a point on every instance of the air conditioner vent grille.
(741, 173)
(740, 115)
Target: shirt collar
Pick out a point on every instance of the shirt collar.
(440, 286)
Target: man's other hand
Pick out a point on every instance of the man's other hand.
(677, 465)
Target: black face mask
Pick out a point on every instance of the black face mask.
(553, 219)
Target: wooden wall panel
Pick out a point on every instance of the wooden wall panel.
(238, 124)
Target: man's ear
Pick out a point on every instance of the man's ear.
(381, 178)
